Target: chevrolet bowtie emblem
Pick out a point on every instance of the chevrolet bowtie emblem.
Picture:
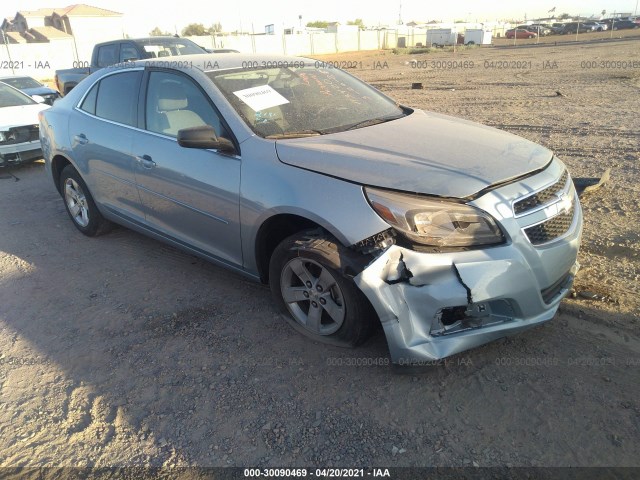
(565, 203)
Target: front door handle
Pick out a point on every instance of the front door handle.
(146, 161)
(81, 139)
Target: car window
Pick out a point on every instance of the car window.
(117, 98)
(108, 55)
(128, 52)
(21, 82)
(158, 47)
(174, 102)
(10, 97)
(302, 99)
(89, 102)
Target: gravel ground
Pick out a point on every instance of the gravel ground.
(121, 351)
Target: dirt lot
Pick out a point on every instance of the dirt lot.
(120, 350)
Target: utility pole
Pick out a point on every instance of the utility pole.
(6, 44)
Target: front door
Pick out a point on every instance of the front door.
(190, 195)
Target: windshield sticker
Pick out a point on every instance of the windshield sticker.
(260, 98)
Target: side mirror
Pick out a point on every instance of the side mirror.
(204, 137)
(38, 98)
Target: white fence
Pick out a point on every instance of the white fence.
(303, 44)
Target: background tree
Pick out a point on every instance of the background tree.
(358, 22)
(215, 28)
(194, 29)
(156, 32)
(564, 16)
(318, 24)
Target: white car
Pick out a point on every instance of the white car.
(19, 128)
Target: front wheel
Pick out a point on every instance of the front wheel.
(79, 203)
(311, 282)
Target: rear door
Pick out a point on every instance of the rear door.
(101, 135)
(190, 195)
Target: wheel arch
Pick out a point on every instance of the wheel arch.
(58, 163)
(275, 229)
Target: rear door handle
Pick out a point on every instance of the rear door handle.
(81, 139)
(146, 161)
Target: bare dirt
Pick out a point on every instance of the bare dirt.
(120, 350)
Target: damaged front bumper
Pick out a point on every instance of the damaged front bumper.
(14, 154)
(433, 305)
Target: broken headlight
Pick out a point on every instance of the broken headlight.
(438, 223)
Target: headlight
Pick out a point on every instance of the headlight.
(3, 136)
(438, 223)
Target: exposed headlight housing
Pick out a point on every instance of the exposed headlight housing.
(434, 222)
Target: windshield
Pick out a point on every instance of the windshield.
(10, 97)
(171, 47)
(302, 100)
(21, 82)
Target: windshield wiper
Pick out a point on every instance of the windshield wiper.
(373, 121)
(297, 134)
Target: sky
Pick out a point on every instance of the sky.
(141, 17)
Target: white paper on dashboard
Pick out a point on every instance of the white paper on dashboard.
(260, 98)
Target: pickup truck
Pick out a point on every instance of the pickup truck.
(126, 50)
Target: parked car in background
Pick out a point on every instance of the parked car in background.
(127, 50)
(557, 28)
(19, 130)
(355, 210)
(541, 29)
(576, 27)
(31, 86)
(598, 26)
(624, 25)
(520, 33)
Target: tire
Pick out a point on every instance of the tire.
(80, 205)
(530, 36)
(312, 271)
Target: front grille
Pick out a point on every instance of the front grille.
(542, 197)
(550, 229)
(28, 133)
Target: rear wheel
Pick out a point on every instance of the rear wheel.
(311, 285)
(80, 205)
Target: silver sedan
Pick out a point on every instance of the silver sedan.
(355, 210)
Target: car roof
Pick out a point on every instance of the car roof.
(221, 61)
(2, 77)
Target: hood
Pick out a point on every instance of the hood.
(39, 91)
(424, 152)
(20, 115)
